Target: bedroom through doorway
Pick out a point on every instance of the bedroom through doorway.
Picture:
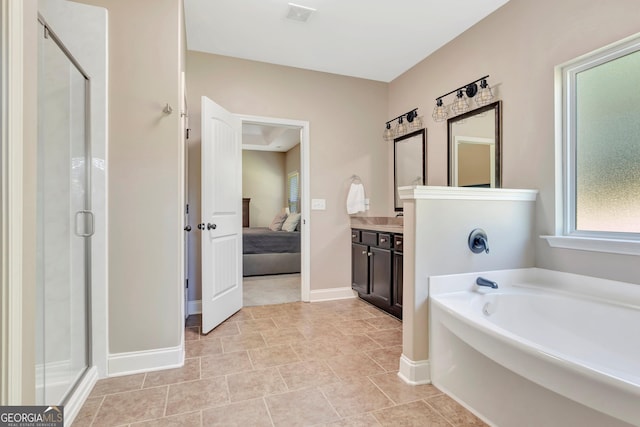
(273, 217)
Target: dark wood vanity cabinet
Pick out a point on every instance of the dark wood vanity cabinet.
(376, 269)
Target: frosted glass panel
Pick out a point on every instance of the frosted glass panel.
(62, 279)
(608, 146)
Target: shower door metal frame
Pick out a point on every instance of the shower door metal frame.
(49, 33)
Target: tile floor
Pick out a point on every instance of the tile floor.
(272, 289)
(297, 364)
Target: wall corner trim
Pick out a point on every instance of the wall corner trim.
(414, 372)
(135, 362)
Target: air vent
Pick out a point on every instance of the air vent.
(299, 13)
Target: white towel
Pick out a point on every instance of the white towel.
(355, 199)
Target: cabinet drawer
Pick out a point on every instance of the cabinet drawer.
(355, 236)
(369, 238)
(397, 242)
(384, 240)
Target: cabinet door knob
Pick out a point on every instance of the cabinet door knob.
(382, 240)
(353, 236)
(364, 252)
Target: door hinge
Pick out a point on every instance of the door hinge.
(186, 208)
(186, 281)
(187, 132)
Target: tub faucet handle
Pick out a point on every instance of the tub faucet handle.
(483, 243)
(478, 241)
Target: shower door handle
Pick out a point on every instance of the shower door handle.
(84, 213)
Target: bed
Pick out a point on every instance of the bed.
(270, 252)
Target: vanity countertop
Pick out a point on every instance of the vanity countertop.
(384, 224)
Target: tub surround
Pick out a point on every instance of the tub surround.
(564, 339)
(437, 223)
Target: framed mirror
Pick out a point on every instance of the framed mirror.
(409, 162)
(475, 147)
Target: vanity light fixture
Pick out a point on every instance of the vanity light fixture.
(414, 123)
(461, 105)
(440, 113)
(485, 96)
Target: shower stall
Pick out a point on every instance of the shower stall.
(65, 221)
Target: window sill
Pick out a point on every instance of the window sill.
(624, 247)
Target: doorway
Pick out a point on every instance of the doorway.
(194, 305)
(282, 133)
(271, 164)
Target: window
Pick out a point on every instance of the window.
(601, 143)
(293, 190)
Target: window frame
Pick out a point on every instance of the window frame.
(566, 235)
(291, 175)
(569, 81)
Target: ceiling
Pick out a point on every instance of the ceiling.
(370, 39)
(263, 137)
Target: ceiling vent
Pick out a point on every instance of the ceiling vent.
(299, 13)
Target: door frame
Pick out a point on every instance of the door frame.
(305, 193)
(16, 351)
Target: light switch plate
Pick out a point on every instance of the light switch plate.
(318, 204)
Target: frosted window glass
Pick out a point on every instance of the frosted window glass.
(608, 146)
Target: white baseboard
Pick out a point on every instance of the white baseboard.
(80, 394)
(331, 294)
(414, 373)
(194, 307)
(145, 361)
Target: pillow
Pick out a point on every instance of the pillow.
(291, 223)
(278, 220)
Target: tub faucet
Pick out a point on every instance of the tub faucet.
(481, 281)
(478, 241)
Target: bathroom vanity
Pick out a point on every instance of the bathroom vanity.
(376, 265)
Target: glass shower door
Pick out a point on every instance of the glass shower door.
(64, 223)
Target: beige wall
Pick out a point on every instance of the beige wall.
(263, 180)
(518, 46)
(145, 174)
(292, 161)
(346, 116)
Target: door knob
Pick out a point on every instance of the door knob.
(187, 228)
(201, 226)
(211, 226)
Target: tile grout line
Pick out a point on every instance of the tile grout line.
(438, 412)
(93, 418)
(166, 401)
(329, 402)
(382, 391)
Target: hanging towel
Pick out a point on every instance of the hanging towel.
(355, 199)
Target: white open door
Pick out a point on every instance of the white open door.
(221, 223)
